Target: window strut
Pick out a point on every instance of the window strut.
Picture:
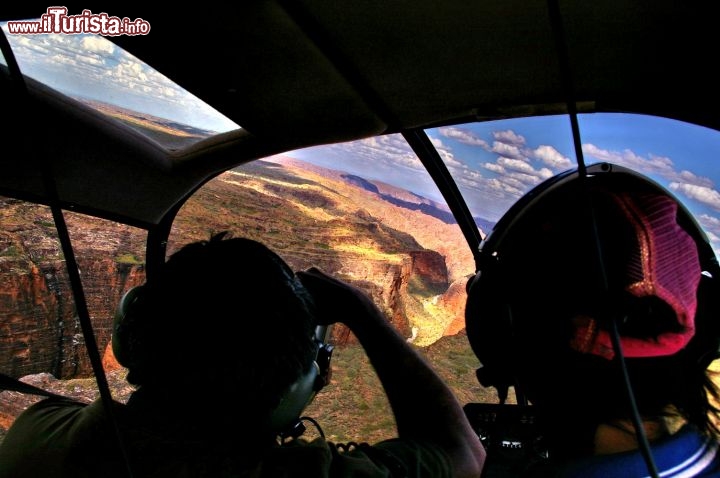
(430, 158)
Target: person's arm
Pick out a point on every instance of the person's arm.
(425, 408)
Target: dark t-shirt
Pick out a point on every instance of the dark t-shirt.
(64, 438)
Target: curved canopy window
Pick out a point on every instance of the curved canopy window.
(495, 163)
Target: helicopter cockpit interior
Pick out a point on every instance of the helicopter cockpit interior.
(382, 142)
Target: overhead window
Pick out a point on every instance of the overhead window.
(96, 72)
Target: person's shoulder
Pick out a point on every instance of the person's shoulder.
(696, 452)
(42, 437)
(50, 412)
(56, 403)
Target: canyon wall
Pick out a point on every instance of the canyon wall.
(39, 326)
(40, 330)
(309, 219)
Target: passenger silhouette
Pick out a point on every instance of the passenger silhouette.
(223, 349)
(597, 304)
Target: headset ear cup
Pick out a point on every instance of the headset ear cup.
(301, 393)
(122, 325)
(488, 325)
(298, 396)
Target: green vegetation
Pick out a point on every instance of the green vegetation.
(10, 251)
(354, 406)
(419, 287)
(129, 259)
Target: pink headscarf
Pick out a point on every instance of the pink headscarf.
(664, 263)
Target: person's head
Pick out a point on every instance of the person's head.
(223, 326)
(594, 252)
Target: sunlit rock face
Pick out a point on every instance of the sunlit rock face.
(39, 327)
(30, 327)
(454, 301)
(394, 285)
(40, 331)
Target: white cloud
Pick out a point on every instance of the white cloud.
(528, 180)
(545, 173)
(494, 167)
(552, 157)
(691, 178)
(702, 194)
(653, 164)
(388, 151)
(509, 137)
(463, 136)
(472, 174)
(506, 188)
(93, 43)
(711, 222)
(711, 226)
(516, 165)
(445, 153)
(515, 182)
(687, 183)
(508, 150)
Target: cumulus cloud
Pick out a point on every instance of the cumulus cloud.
(702, 194)
(691, 178)
(494, 167)
(508, 150)
(552, 157)
(519, 166)
(504, 188)
(687, 183)
(445, 153)
(387, 149)
(97, 44)
(516, 182)
(515, 165)
(509, 137)
(711, 222)
(463, 136)
(653, 164)
(711, 226)
(545, 173)
(528, 179)
(515, 169)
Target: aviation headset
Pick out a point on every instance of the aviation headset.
(285, 419)
(492, 296)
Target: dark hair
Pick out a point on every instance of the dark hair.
(226, 318)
